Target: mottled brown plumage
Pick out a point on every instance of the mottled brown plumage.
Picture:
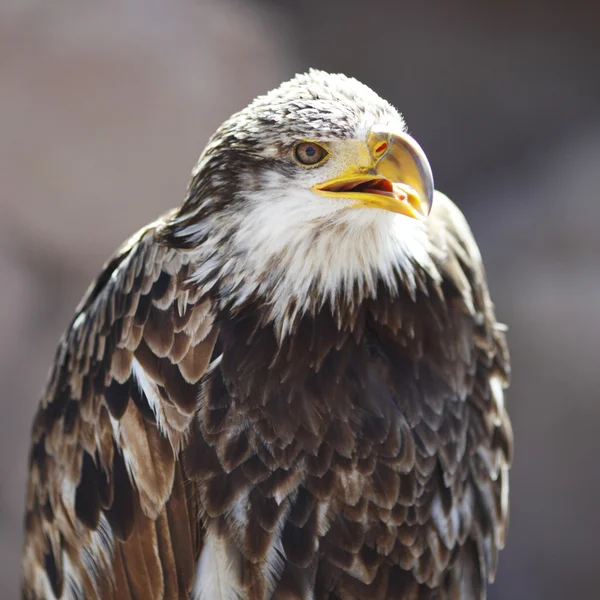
(359, 452)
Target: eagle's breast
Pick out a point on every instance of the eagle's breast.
(342, 446)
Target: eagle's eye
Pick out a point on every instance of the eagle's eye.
(309, 154)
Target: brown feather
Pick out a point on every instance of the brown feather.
(361, 454)
(125, 471)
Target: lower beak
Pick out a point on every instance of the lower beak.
(400, 180)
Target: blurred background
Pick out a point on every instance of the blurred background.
(104, 108)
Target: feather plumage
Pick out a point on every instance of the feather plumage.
(210, 434)
(107, 457)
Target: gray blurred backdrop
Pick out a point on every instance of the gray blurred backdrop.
(104, 108)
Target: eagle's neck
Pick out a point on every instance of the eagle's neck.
(294, 263)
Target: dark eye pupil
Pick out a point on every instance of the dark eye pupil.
(310, 151)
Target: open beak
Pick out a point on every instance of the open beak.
(400, 179)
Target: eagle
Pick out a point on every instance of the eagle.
(290, 387)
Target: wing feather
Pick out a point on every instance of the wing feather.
(490, 438)
(108, 514)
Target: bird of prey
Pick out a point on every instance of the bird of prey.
(290, 387)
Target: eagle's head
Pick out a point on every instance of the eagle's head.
(313, 193)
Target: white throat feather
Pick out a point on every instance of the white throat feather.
(298, 254)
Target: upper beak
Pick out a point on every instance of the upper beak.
(400, 179)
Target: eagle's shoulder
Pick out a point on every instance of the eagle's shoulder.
(458, 260)
(104, 473)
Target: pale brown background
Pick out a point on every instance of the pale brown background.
(104, 109)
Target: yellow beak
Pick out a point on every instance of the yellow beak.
(400, 179)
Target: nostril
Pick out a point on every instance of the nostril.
(381, 148)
